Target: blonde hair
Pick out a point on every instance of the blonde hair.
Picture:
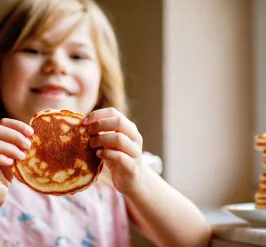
(21, 20)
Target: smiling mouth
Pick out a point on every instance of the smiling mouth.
(51, 90)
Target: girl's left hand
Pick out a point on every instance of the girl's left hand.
(119, 143)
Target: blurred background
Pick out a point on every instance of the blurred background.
(196, 80)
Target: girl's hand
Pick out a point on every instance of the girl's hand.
(13, 143)
(119, 143)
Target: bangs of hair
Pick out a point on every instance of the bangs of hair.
(29, 19)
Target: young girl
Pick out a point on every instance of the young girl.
(62, 54)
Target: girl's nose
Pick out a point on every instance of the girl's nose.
(55, 64)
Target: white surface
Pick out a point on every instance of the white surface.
(246, 234)
(248, 212)
(220, 217)
(230, 228)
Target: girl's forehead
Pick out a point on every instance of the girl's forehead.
(68, 30)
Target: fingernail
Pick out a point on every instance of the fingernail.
(9, 161)
(22, 155)
(99, 152)
(85, 120)
(27, 143)
(29, 130)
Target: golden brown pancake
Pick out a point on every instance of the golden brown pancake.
(263, 181)
(260, 142)
(260, 195)
(260, 199)
(60, 160)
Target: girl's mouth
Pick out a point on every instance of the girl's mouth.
(51, 92)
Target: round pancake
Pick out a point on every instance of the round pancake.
(262, 181)
(260, 199)
(60, 160)
(260, 142)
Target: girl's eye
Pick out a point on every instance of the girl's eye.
(33, 51)
(79, 57)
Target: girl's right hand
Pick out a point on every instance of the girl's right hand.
(13, 143)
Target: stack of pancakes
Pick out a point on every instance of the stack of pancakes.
(260, 196)
(60, 160)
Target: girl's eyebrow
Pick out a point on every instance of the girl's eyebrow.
(78, 44)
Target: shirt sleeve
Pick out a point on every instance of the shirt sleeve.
(153, 161)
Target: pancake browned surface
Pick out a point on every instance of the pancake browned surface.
(262, 181)
(260, 145)
(60, 160)
(260, 199)
(260, 195)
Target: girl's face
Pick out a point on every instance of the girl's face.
(39, 76)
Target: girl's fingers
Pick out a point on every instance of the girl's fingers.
(102, 113)
(116, 141)
(10, 151)
(116, 157)
(118, 124)
(109, 119)
(14, 137)
(19, 126)
(5, 161)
